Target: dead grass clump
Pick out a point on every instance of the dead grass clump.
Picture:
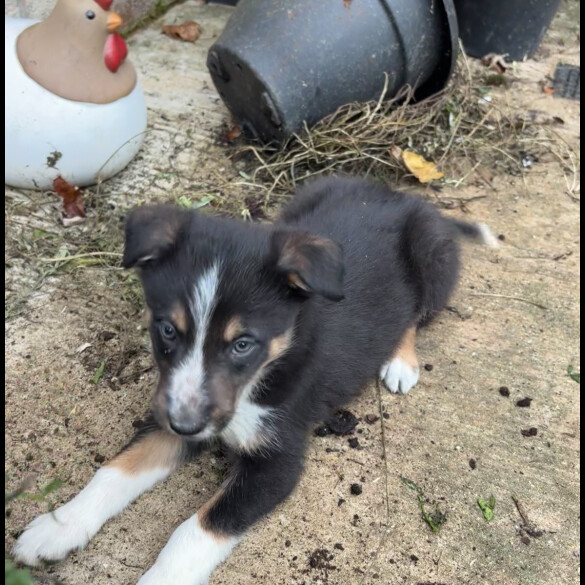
(460, 129)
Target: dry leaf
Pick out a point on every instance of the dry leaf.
(233, 133)
(495, 62)
(73, 211)
(83, 347)
(424, 170)
(187, 31)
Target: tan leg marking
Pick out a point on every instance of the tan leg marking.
(156, 450)
(203, 514)
(406, 350)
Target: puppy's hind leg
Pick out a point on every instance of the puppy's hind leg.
(401, 372)
(148, 459)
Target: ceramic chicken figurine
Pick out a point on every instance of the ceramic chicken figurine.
(74, 107)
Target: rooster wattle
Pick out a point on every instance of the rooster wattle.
(70, 90)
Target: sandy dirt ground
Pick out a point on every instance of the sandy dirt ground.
(514, 323)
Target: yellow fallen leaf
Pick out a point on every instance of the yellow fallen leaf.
(424, 170)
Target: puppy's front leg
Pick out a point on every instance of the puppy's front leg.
(205, 540)
(148, 459)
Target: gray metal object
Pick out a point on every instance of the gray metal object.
(567, 82)
(278, 64)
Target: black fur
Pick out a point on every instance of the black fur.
(350, 266)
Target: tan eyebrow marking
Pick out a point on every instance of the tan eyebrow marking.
(179, 317)
(278, 345)
(233, 329)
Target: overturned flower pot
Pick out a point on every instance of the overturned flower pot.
(510, 27)
(280, 64)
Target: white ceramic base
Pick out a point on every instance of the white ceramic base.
(47, 136)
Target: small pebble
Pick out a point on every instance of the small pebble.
(504, 391)
(386, 415)
(99, 458)
(354, 443)
(356, 489)
(524, 403)
(429, 367)
(371, 418)
(525, 540)
(472, 463)
(414, 558)
(287, 543)
(338, 546)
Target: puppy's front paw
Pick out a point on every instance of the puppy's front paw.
(50, 537)
(398, 376)
(189, 557)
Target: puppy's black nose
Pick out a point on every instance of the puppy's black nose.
(184, 428)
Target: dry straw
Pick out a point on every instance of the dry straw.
(460, 128)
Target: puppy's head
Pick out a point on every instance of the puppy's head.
(223, 298)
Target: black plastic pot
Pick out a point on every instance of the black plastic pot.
(512, 27)
(278, 64)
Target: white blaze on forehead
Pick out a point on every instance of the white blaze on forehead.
(186, 382)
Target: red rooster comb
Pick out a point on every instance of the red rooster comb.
(105, 4)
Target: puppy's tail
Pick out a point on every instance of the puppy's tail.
(480, 232)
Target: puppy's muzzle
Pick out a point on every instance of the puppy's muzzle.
(188, 422)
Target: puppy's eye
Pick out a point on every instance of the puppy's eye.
(167, 331)
(90, 15)
(243, 346)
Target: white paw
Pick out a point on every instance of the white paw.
(398, 376)
(161, 574)
(189, 557)
(50, 537)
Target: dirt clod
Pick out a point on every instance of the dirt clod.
(354, 443)
(342, 422)
(356, 489)
(320, 559)
(531, 432)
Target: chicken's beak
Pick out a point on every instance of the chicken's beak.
(114, 21)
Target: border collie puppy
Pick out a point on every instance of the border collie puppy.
(259, 332)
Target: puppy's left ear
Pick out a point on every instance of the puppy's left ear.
(310, 263)
(151, 233)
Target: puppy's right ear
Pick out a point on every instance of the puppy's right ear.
(151, 233)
